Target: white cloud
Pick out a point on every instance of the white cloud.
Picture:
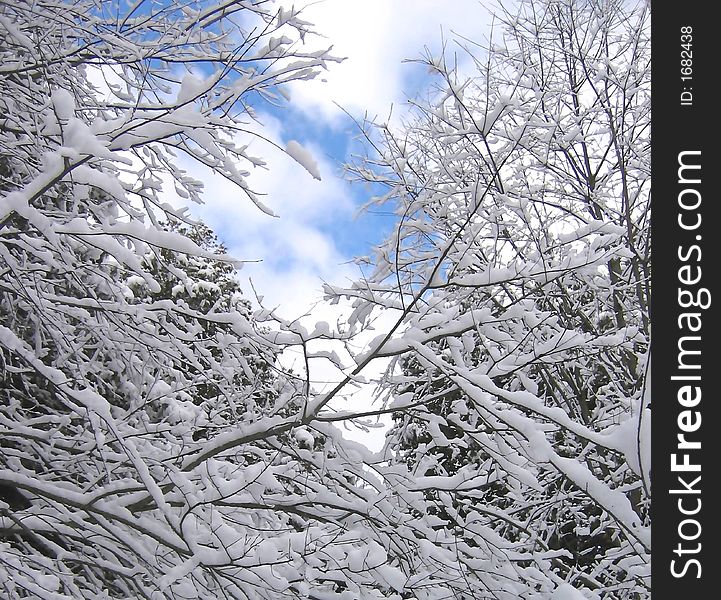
(376, 36)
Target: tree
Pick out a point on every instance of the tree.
(520, 274)
(150, 445)
(108, 370)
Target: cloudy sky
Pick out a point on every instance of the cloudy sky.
(318, 231)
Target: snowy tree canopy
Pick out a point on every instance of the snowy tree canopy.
(151, 445)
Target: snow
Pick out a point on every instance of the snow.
(632, 434)
(303, 157)
(17, 35)
(179, 438)
(64, 104)
(566, 591)
(304, 437)
(191, 87)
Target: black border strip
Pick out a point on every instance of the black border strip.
(684, 398)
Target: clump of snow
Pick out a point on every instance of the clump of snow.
(64, 104)
(304, 437)
(303, 158)
(190, 88)
(632, 437)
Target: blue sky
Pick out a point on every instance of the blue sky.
(318, 231)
